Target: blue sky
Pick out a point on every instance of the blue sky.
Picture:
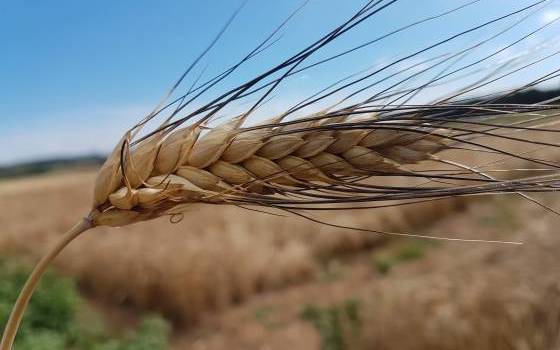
(76, 74)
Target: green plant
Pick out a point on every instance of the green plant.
(338, 325)
(264, 315)
(384, 262)
(503, 216)
(56, 319)
(412, 251)
(151, 334)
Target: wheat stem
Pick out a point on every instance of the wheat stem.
(18, 310)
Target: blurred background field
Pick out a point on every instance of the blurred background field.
(227, 278)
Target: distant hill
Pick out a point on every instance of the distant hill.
(44, 166)
(531, 96)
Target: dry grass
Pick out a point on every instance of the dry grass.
(456, 297)
(213, 258)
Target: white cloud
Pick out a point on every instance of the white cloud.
(550, 15)
(68, 133)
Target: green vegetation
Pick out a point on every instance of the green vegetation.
(504, 217)
(338, 325)
(57, 318)
(383, 265)
(265, 316)
(384, 262)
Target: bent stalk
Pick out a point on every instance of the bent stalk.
(16, 316)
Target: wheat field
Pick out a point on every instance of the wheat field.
(455, 297)
(237, 279)
(232, 278)
(211, 259)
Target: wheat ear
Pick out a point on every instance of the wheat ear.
(230, 164)
(302, 164)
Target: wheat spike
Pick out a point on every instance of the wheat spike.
(230, 164)
(321, 160)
